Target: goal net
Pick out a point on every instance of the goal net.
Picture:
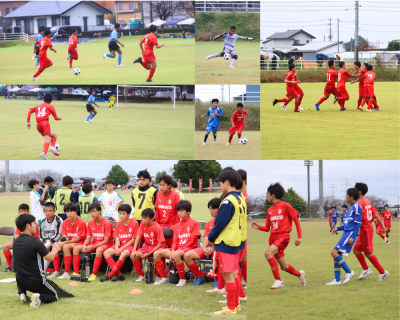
(153, 97)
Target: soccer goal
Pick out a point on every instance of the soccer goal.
(153, 97)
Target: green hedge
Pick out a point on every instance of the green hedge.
(166, 31)
(228, 109)
(211, 24)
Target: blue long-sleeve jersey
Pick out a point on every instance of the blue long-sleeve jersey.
(352, 220)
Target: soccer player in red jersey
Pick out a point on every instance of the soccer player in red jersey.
(361, 70)
(43, 112)
(44, 44)
(149, 59)
(387, 216)
(237, 121)
(279, 219)
(330, 219)
(291, 92)
(102, 231)
(151, 233)
(125, 235)
(369, 94)
(331, 77)
(379, 228)
(296, 86)
(364, 241)
(74, 230)
(342, 94)
(72, 48)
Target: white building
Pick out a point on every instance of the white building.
(311, 50)
(285, 41)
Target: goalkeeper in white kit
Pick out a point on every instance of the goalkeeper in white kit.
(229, 45)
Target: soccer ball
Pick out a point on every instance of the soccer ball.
(227, 56)
(57, 147)
(244, 140)
(77, 71)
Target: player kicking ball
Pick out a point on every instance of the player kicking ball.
(44, 44)
(89, 107)
(73, 47)
(215, 113)
(113, 46)
(291, 92)
(149, 59)
(43, 112)
(352, 223)
(237, 120)
(229, 45)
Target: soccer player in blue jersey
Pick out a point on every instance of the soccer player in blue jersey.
(90, 108)
(36, 47)
(352, 224)
(343, 215)
(334, 215)
(215, 114)
(113, 46)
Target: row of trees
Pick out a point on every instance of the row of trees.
(23, 178)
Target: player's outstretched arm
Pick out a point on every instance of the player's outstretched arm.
(158, 46)
(222, 35)
(28, 124)
(53, 112)
(243, 38)
(248, 117)
(119, 42)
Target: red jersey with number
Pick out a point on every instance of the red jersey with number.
(279, 218)
(166, 213)
(369, 77)
(238, 118)
(152, 235)
(387, 215)
(35, 235)
(44, 44)
(100, 231)
(186, 234)
(290, 77)
(78, 229)
(150, 40)
(126, 233)
(43, 112)
(361, 73)
(208, 227)
(73, 41)
(342, 76)
(331, 77)
(367, 211)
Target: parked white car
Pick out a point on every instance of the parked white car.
(80, 92)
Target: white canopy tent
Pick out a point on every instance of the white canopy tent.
(186, 22)
(35, 90)
(15, 89)
(157, 23)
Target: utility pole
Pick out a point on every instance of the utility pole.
(308, 164)
(321, 189)
(7, 176)
(330, 29)
(338, 36)
(356, 35)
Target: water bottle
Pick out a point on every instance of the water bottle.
(149, 273)
(87, 266)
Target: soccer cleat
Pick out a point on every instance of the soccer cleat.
(348, 276)
(333, 283)
(120, 65)
(303, 278)
(86, 121)
(158, 279)
(383, 276)
(43, 155)
(215, 141)
(75, 274)
(300, 108)
(149, 80)
(105, 278)
(228, 144)
(209, 57)
(54, 150)
(238, 308)
(33, 79)
(343, 109)
(231, 67)
(7, 269)
(377, 109)
(137, 60)
(283, 107)
(140, 279)
(387, 241)
(244, 283)
(162, 281)
(317, 106)
(277, 284)
(365, 274)
(199, 281)
(203, 144)
(334, 100)
(66, 275)
(23, 298)
(216, 290)
(104, 55)
(69, 56)
(239, 141)
(118, 277)
(274, 102)
(35, 300)
(181, 283)
(90, 120)
(227, 312)
(369, 110)
(360, 108)
(54, 274)
(92, 277)
(297, 111)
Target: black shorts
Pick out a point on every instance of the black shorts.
(89, 108)
(113, 46)
(37, 51)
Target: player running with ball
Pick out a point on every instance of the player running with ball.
(229, 45)
(44, 44)
(73, 47)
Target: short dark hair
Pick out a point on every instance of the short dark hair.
(144, 173)
(125, 207)
(50, 204)
(87, 181)
(341, 64)
(229, 174)
(353, 192)
(70, 206)
(291, 61)
(87, 188)
(47, 32)
(358, 64)
(214, 203)
(344, 206)
(233, 28)
(41, 30)
(48, 179)
(153, 28)
(22, 220)
(174, 184)
(331, 63)
(386, 205)
(214, 100)
(94, 205)
(110, 181)
(360, 186)
(23, 206)
(277, 190)
(242, 173)
(73, 30)
(166, 178)
(239, 184)
(48, 97)
(239, 105)
(117, 25)
(148, 213)
(365, 64)
(370, 67)
(32, 182)
(184, 205)
(291, 66)
(67, 180)
(333, 207)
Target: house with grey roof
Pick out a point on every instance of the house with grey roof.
(36, 14)
(287, 39)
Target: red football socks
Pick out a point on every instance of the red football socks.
(97, 264)
(282, 100)
(181, 270)
(46, 147)
(244, 270)
(377, 265)
(238, 287)
(53, 141)
(115, 268)
(300, 98)
(296, 105)
(358, 103)
(160, 266)
(195, 270)
(38, 72)
(363, 102)
(321, 100)
(152, 70)
(7, 254)
(110, 261)
(293, 271)
(144, 65)
(56, 263)
(138, 267)
(230, 138)
(362, 261)
(221, 281)
(67, 263)
(239, 135)
(231, 295)
(369, 104)
(375, 104)
(274, 268)
(382, 235)
(341, 105)
(76, 262)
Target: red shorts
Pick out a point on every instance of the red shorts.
(80, 243)
(129, 248)
(343, 94)
(44, 62)
(73, 51)
(281, 240)
(200, 253)
(148, 248)
(291, 93)
(227, 262)
(328, 90)
(185, 249)
(148, 56)
(232, 130)
(44, 128)
(368, 91)
(299, 90)
(361, 91)
(378, 226)
(104, 246)
(364, 240)
(388, 223)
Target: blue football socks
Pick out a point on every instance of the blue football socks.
(110, 55)
(69, 56)
(37, 62)
(337, 269)
(343, 264)
(93, 115)
(88, 118)
(119, 58)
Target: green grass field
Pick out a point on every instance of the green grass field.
(216, 71)
(329, 134)
(175, 64)
(98, 300)
(124, 133)
(367, 299)
(220, 151)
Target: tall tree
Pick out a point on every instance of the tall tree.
(159, 174)
(119, 175)
(166, 9)
(293, 198)
(393, 45)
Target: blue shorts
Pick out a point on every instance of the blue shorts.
(212, 128)
(343, 245)
(334, 221)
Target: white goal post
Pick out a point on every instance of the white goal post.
(148, 92)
